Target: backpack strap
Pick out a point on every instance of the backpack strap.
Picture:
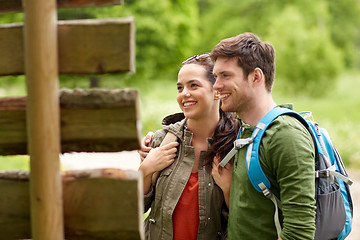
(254, 170)
(256, 175)
(238, 144)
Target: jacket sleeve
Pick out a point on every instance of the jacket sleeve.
(155, 142)
(290, 161)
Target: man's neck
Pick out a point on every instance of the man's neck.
(257, 111)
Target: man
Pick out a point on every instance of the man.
(244, 70)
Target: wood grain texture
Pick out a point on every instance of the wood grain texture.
(96, 120)
(99, 204)
(91, 46)
(14, 205)
(42, 119)
(7, 6)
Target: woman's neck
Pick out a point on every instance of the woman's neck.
(203, 128)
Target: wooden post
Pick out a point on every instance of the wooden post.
(41, 70)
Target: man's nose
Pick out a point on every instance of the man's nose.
(218, 85)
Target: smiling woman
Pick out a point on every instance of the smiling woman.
(185, 166)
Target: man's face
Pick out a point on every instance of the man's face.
(232, 85)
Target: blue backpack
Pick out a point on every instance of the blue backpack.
(334, 207)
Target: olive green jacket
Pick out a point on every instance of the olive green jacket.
(163, 197)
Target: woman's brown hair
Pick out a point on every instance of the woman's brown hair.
(227, 128)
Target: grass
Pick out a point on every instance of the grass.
(337, 112)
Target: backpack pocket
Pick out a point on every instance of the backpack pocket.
(330, 214)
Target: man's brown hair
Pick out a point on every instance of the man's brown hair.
(250, 52)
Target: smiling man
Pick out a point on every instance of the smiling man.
(244, 67)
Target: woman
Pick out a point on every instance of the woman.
(185, 201)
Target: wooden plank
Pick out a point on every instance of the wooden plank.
(14, 205)
(91, 121)
(103, 204)
(91, 46)
(7, 6)
(13, 135)
(98, 204)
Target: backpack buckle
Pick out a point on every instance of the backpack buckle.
(242, 142)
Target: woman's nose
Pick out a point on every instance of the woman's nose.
(185, 93)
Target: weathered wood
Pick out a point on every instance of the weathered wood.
(95, 120)
(14, 205)
(16, 5)
(91, 46)
(13, 135)
(98, 204)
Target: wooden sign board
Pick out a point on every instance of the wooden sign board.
(16, 5)
(95, 120)
(102, 204)
(90, 46)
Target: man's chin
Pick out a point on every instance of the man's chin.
(226, 108)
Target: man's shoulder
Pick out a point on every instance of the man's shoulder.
(287, 124)
(287, 129)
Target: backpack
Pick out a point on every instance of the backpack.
(334, 207)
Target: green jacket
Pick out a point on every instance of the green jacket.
(287, 159)
(163, 197)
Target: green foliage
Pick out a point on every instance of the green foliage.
(310, 44)
(11, 18)
(345, 22)
(337, 112)
(166, 32)
(18, 162)
(307, 61)
(12, 86)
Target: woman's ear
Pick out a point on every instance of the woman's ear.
(216, 95)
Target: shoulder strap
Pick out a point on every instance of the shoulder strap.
(169, 137)
(255, 173)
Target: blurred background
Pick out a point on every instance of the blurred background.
(317, 57)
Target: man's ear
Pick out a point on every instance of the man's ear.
(216, 95)
(258, 76)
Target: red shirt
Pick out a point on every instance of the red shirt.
(186, 214)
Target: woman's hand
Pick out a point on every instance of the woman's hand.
(222, 177)
(159, 158)
(145, 149)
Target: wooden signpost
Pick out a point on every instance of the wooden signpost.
(47, 122)
(99, 204)
(91, 46)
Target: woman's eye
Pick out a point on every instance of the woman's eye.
(194, 85)
(179, 88)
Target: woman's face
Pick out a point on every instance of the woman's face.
(196, 96)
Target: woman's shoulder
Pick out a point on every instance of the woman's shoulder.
(173, 123)
(173, 119)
